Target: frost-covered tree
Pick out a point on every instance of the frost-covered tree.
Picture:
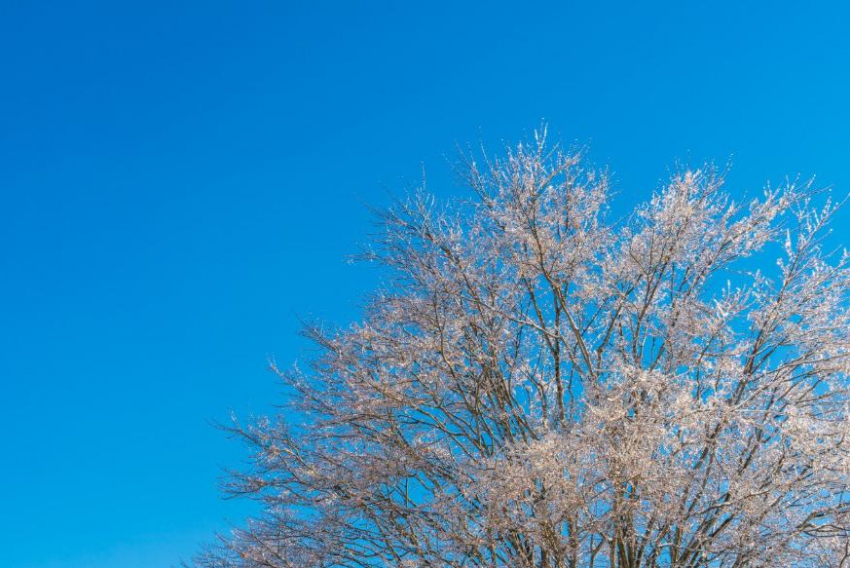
(542, 385)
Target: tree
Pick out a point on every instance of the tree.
(540, 386)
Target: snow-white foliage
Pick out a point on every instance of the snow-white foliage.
(541, 386)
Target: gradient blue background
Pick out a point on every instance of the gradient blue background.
(180, 180)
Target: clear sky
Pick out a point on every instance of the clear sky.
(180, 180)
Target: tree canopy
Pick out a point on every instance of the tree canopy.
(542, 384)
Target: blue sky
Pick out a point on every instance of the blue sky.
(180, 180)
